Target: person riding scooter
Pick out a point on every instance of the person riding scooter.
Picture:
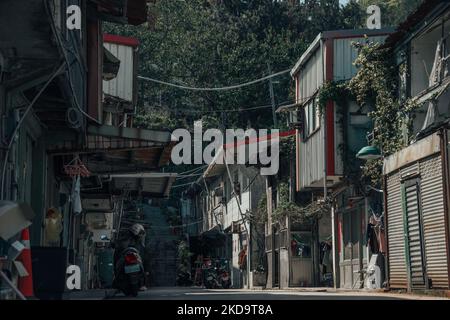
(134, 237)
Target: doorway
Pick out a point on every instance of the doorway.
(352, 253)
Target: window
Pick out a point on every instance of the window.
(311, 118)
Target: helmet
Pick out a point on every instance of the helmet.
(137, 230)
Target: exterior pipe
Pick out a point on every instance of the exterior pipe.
(19, 124)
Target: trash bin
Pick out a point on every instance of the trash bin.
(49, 272)
(106, 267)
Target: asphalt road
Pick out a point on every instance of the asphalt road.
(196, 294)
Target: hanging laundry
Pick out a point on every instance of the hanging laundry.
(371, 238)
(76, 196)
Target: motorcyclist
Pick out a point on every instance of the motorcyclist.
(134, 237)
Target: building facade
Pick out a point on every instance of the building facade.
(327, 140)
(416, 177)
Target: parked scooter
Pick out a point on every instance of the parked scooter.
(129, 272)
(218, 277)
(184, 279)
(211, 280)
(224, 279)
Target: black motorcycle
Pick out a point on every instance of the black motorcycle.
(211, 280)
(129, 272)
(224, 278)
(184, 279)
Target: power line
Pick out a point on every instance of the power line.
(241, 109)
(246, 84)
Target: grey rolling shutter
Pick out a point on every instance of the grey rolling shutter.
(413, 239)
(396, 246)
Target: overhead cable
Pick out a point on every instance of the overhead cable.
(232, 87)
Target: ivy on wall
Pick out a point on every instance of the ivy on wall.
(376, 85)
(340, 93)
(296, 213)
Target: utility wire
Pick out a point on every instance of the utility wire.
(233, 87)
(66, 58)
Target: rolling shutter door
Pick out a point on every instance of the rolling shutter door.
(397, 266)
(433, 215)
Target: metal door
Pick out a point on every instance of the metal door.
(395, 231)
(414, 234)
(352, 253)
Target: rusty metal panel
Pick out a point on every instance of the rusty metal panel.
(122, 85)
(434, 222)
(395, 230)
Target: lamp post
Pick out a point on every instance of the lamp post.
(369, 153)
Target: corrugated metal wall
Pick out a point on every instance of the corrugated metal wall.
(434, 222)
(311, 160)
(311, 76)
(345, 54)
(122, 85)
(396, 244)
(433, 219)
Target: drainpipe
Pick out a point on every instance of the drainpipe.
(325, 195)
(334, 243)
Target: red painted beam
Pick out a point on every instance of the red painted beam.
(125, 41)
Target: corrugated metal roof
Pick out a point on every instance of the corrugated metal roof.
(153, 183)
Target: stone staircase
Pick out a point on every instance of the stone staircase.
(161, 244)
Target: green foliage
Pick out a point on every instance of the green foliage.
(184, 256)
(376, 85)
(393, 12)
(260, 216)
(296, 213)
(216, 43)
(334, 91)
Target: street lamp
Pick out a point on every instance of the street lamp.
(369, 153)
(372, 153)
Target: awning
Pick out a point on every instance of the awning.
(112, 149)
(14, 217)
(151, 184)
